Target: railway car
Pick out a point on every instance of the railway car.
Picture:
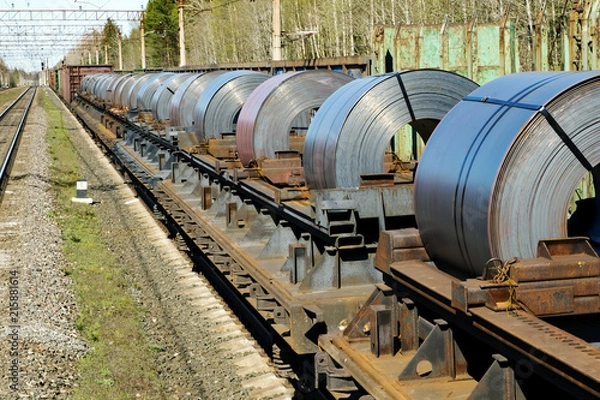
(366, 275)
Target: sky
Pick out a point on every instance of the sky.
(30, 60)
(70, 4)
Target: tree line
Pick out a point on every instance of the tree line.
(232, 31)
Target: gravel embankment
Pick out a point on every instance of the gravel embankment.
(30, 250)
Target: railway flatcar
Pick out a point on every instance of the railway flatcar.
(368, 275)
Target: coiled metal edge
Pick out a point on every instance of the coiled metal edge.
(183, 102)
(113, 92)
(159, 104)
(279, 104)
(131, 95)
(496, 177)
(88, 81)
(101, 86)
(124, 90)
(219, 104)
(147, 90)
(353, 128)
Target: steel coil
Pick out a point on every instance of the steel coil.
(279, 104)
(183, 102)
(159, 104)
(88, 81)
(113, 88)
(219, 104)
(101, 86)
(500, 169)
(124, 88)
(131, 93)
(353, 128)
(147, 90)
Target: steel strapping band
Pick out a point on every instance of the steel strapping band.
(405, 95)
(549, 118)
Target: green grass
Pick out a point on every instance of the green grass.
(121, 362)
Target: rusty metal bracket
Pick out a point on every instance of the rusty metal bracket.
(563, 279)
(438, 356)
(498, 383)
(335, 378)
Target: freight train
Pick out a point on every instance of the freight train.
(464, 274)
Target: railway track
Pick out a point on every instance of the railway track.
(340, 279)
(12, 121)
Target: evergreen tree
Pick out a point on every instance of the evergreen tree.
(161, 26)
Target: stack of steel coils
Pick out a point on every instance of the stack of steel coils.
(159, 104)
(130, 96)
(147, 90)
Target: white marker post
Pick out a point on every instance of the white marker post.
(82, 192)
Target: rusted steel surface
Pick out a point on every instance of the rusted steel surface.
(356, 66)
(553, 353)
(280, 105)
(71, 77)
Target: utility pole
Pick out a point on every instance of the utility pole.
(143, 42)
(120, 51)
(182, 60)
(276, 30)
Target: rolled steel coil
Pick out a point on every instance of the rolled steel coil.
(101, 85)
(123, 88)
(159, 104)
(499, 171)
(131, 93)
(113, 88)
(279, 104)
(219, 104)
(183, 102)
(88, 81)
(353, 128)
(147, 90)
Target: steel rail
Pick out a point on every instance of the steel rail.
(12, 150)
(526, 140)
